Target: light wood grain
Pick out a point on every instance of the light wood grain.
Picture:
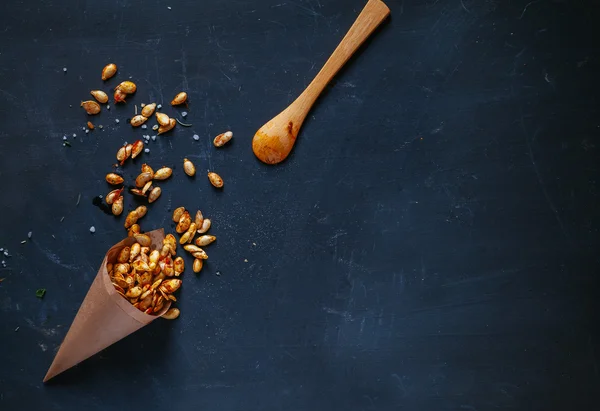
(274, 141)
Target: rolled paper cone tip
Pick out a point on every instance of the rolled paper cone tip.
(104, 317)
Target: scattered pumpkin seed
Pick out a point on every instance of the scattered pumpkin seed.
(148, 110)
(215, 179)
(100, 96)
(188, 167)
(163, 173)
(154, 194)
(180, 98)
(90, 107)
(222, 139)
(138, 120)
(127, 87)
(162, 119)
(108, 71)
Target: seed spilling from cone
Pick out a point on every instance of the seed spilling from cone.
(143, 277)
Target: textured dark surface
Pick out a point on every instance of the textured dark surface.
(431, 244)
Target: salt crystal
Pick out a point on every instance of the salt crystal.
(64, 137)
(184, 114)
(169, 7)
(87, 131)
(159, 106)
(153, 138)
(92, 229)
(117, 120)
(146, 150)
(29, 234)
(108, 106)
(74, 135)
(65, 69)
(196, 137)
(144, 126)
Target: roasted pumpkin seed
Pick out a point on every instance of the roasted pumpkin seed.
(147, 187)
(137, 148)
(131, 219)
(154, 194)
(215, 179)
(205, 240)
(90, 107)
(162, 119)
(127, 87)
(124, 255)
(147, 169)
(178, 266)
(117, 206)
(108, 71)
(114, 179)
(141, 211)
(148, 110)
(112, 196)
(198, 263)
(163, 173)
(138, 120)
(188, 167)
(134, 250)
(134, 292)
(137, 192)
(188, 236)
(171, 285)
(177, 213)
(205, 226)
(222, 139)
(100, 96)
(199, 219)
(142, 179)
(171, 314)
(180, 98)
(134, 229)
(184, 223)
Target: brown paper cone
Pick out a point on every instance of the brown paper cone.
(104, 317)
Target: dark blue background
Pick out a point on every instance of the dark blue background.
(431, 244)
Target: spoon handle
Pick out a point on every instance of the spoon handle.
(367, 21)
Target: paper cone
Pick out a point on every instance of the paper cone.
(104, 317)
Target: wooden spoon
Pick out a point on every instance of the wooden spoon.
(274, 141)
